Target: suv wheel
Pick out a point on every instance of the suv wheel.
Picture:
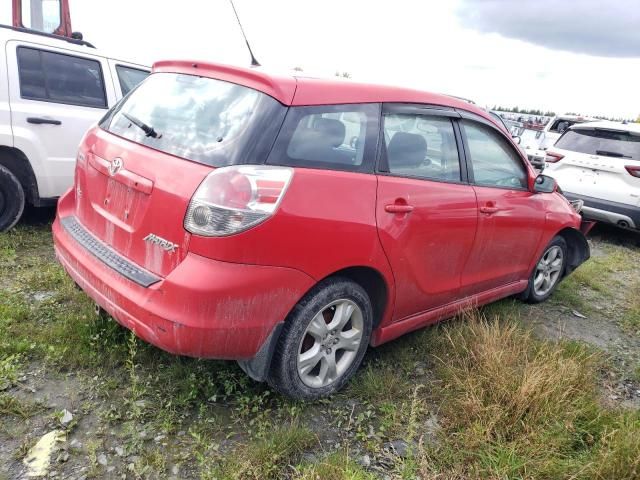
(11, 199)
(548, 272)
(323, 341)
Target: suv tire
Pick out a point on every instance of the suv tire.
(548, 272)
(12, 199)
(308, 362)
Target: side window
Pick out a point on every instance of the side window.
(337, 137)
(495, 163)
(129, 77)
(421, 146)
(59, 78)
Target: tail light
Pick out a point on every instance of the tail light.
(633, 171)
(234, 199)
(552, 157)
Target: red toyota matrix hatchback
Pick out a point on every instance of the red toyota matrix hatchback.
(288, 223)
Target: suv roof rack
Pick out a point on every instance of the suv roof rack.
(49, 35)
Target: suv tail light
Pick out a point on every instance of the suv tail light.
(234, 199)
(552, 157)
(633, 171)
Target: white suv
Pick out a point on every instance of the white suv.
(599, 163)
(52, 89)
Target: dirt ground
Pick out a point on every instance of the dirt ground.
(139, 413)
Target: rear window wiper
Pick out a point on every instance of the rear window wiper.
(147, 129)
(611, 154)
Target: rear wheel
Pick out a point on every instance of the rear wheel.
(548, 272)
(323, 342)
(12, 199)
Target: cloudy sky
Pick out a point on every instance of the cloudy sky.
(581, 56)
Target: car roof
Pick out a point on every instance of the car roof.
(298, 90)
(608, 125)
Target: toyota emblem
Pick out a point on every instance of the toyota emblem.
(115, 166)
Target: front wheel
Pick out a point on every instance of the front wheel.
(323, 341)
(548, 272)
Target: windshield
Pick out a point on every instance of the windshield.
(611, 143)
(200, 119)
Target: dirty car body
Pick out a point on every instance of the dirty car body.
(217, 206)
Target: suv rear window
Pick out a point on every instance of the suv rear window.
(610, 143)
(201, 119)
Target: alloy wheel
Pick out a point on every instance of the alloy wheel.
(548, 271)
(330, 343)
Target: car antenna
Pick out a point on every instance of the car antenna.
(254, 62)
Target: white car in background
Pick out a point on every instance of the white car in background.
(599, 163)
(556, 127)
(52, 90)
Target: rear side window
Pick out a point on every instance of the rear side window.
(560, 125)
(335, 137)
(495, 163)
(201, 119)
(129, 77)
(421, 146)
(610, 143)
(60, 78)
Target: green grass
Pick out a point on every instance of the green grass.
(518, 407)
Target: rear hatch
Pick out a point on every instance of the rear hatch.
(602, 163)
(138, 170)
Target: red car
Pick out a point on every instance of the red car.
(288, 223)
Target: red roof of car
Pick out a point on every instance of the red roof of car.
(301, 90)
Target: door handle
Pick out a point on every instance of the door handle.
(489, 209)
(41, 121)
(398, 208)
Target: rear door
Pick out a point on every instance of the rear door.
(426, 211)
(511, 218)
(598, 163)
(55, 96)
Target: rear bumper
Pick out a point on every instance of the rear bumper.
(609, 212)
(204, 308)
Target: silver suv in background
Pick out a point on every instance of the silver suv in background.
(599, 163)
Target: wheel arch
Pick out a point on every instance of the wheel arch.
(370, 279)
(17, 163)
(578, 248)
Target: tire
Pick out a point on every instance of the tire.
(301, 367)
(554, 272)
(12, 199)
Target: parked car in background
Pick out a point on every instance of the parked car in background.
(529, 142)
(599, 163)
(290, 222)
(54, 89)
(556, 127)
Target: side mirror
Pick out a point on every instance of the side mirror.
(517, 139)
(544, 184)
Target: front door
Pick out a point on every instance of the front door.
(510, 217)
(426, 212)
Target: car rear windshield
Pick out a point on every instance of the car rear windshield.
(200, 119)
(610, 143)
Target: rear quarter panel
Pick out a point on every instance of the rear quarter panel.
(325, 223)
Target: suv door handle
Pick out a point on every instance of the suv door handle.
(40, 121)
(398, 208)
